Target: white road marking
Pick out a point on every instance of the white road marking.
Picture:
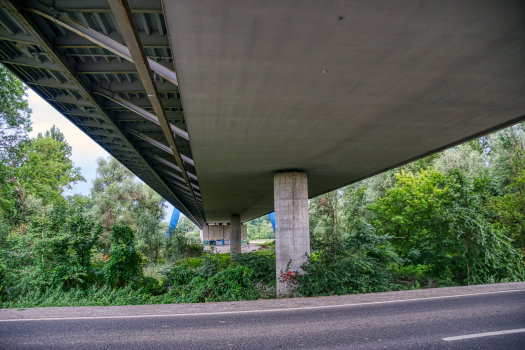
(488, 334)
(254, 311)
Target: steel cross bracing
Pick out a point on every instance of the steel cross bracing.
(73, 54)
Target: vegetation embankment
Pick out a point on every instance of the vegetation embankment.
(454, 218)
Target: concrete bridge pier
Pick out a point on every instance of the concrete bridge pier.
(235, 234)
(292, 231)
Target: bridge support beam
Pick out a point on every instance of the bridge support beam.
(292, 232)
(235, 234)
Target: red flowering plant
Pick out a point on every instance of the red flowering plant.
(289, 276)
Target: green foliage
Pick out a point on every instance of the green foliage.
(411, 273)
(182, 243)
(52, 251)
(123, 266)
(41, 168)
(46, 168)
(91, 296)
(209, 265)
(260, 228)
(510, 210)
(2, 278)
(15, 114)
(231, 284)
(441, 221)
(355, 264)
(179, 276)
(152, 286)
(56, 248)
(189, 286)
(111, 193)
(325, 215)
(118, 198)
(262, 265)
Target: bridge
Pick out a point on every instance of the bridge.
(234, 109)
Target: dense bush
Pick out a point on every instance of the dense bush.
(186, 284)
(123, 265)
(92, 296)
(55, 248)
(355, 264)
(440, 221)
(263, 266)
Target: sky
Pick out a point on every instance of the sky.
(85, 151)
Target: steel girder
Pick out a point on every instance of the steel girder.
(67, 70)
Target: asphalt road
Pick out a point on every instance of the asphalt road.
(420, 324)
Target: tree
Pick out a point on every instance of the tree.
(147, 210)
(112, 191)
(47, 169)
(324, 214)
(55, 249)
(42, 168)
(15, 114)
(124, 261)
(260, 228)
(441, 221)
(509, 210)
(15, 123)
(120, 199)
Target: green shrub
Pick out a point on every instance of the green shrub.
(232, 284)
(209, 265)
(124, 261)
(180, 244)
(178, 276)
(53, 249)
(208, 282)
(2, 278)
(412, 273)
(357, 264)
(92, 296)
(263, 266)
(152, 286)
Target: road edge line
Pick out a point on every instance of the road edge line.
(486, 334)
(253, 311)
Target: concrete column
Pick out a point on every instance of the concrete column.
(235, 234)
(292, 232)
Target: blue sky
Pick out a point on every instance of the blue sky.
(85, 151)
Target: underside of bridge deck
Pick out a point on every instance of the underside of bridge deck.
(341, 90)
(225, 94)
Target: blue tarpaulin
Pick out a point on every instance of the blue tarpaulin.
(272, 219)
(173, 221)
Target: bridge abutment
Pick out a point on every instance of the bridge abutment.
(292, 232)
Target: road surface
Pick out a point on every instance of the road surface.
(430, 323)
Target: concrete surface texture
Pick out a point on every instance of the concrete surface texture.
(417, 319)
(340, 89)
(235, 234)
(292, 234)
(214, 232)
